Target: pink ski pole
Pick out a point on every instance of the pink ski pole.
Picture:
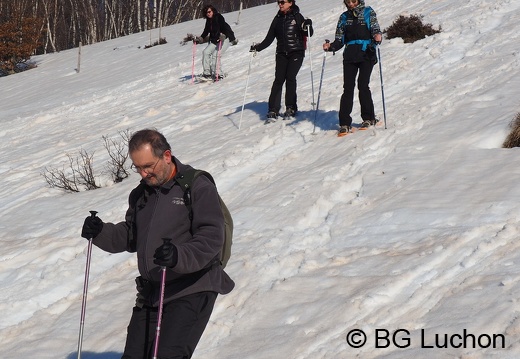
(194, 50)
(218, 59)
(159, 312)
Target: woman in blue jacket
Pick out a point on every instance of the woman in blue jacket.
(359, 31)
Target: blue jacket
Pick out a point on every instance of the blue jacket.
(353, 33)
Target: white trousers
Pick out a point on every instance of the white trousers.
(210, 58)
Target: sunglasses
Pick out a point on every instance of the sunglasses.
(282, 2)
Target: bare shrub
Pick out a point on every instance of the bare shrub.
(118, 154)
(161, 41)
(513, 139)
(410, 28)
(58, 178)
(79, 174)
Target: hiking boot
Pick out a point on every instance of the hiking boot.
(289, 112)
(271, 117)
(366, 124)
(205, 77)
(343, 130)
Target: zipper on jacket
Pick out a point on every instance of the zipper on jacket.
(147, 238)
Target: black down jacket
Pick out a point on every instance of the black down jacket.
(288, 31)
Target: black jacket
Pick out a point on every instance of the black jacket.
(288, 31)
(156, 213)
(216, 26)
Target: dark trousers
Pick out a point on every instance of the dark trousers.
(350, 71)
(287, 67)
(182, 325)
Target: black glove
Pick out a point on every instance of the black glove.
(306, 22)
(253, 48)
(91, 227)
(166, 255)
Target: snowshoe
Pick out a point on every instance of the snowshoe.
(271, 117)
(367, 123)
(289, 112)
(344, 130)
(205, 78)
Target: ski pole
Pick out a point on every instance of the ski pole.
(161, 304)
(193, 51)
(85, 289)
(319, 88)
(218, 58)
(312, 73)
(247, 83)
(382, 85)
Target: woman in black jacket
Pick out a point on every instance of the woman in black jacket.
(219, 35)
(290, 29)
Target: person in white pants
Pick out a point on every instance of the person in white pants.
(219, 35)
(211, 56)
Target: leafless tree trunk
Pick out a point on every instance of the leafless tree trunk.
(50, 9)
(67, 22)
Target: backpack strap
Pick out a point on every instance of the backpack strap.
(137, 200)
(365, 43)
(185, 180)
(366, 15)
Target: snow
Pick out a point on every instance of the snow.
(413, 228)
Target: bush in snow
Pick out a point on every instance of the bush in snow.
(80, 172)
(513, 139)
(410, 29)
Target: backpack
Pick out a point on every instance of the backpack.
(304, 33)
(185, 180)
(366, 43)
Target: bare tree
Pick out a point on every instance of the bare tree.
(118, 154)
(50, 10)
(66, 23)
(57, 178)
(79, 173)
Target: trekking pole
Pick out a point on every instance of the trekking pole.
(218, 59)
(382, 85)
(161, 304)
(312, 73)
(253, 54)
(193, 51)
(319, 89)
(85, 289)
